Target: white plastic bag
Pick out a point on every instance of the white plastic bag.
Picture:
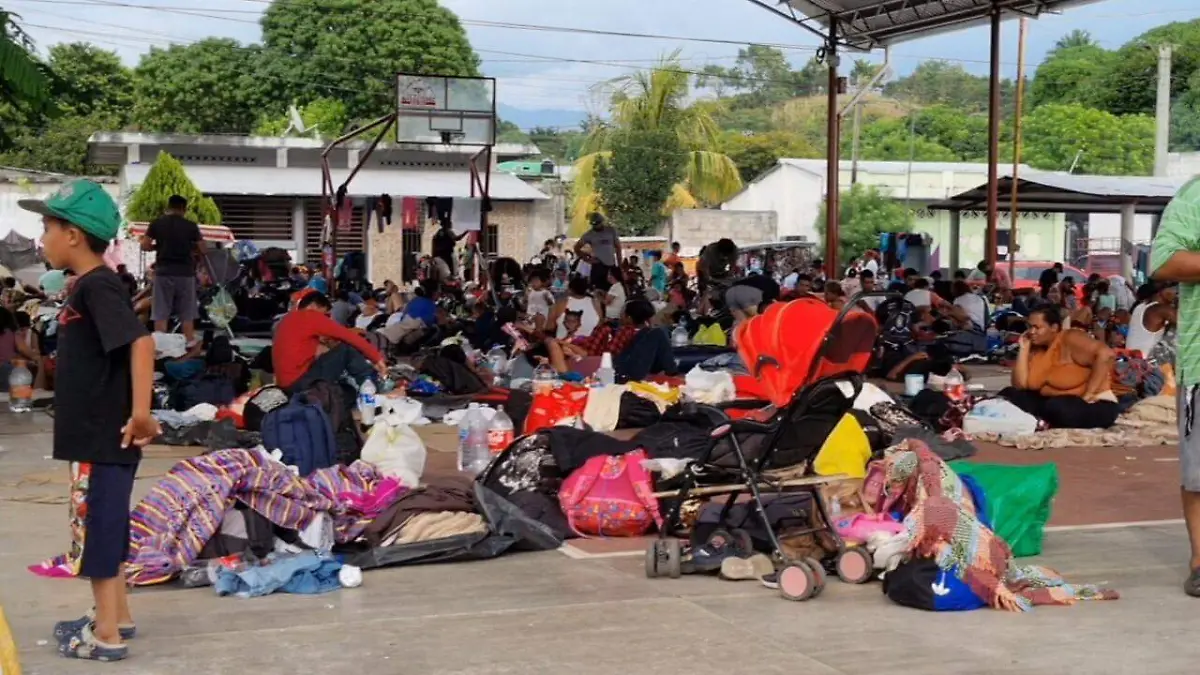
(394, 448)
(709, 386)
(998, 416)
(169, 345)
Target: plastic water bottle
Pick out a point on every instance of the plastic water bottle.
(605, 375)
(500, 432)
(476, 455)
(543, 379)
(955, 386)
(679, 336)
(993, 339)
(20, 388)
(367, 402)
(464, 433)
(497, 360)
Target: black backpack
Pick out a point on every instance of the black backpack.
(896, 317)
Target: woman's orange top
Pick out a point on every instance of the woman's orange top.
(1052, 375)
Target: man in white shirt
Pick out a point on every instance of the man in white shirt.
(920, 295)
(971, 305)
(872, 262)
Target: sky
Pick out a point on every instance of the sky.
(539, 69)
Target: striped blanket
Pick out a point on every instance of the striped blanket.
(184, 510)
(942, 526)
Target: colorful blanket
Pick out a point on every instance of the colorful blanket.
(942, 526)
(171, 525)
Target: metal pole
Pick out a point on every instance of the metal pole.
(1017, 112)
(831, 158)
(993, 193)
(854, 145)
(1162, 111)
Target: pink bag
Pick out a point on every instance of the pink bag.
(610, 496)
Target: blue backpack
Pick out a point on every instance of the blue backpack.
(302, 430)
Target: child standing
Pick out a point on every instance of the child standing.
(102, 406)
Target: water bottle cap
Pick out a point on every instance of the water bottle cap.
(606, 360)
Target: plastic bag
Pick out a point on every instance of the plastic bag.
(711, 335)
(846, 450)
(709, 387)
(998, 416)
(394, 448)
(1019, 501)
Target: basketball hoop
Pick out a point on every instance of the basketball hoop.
(451, 137)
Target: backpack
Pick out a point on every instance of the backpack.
(333, 399)
(301, 429)
(212, 389)
(896, 317)
(610, 496)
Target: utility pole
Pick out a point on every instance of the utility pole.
(1017, 114)
(854, 141)
(1162, 111)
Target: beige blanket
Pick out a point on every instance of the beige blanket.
(1153, 421)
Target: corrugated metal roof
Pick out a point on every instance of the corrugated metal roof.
(817, 166)
(867, 24)
(1069, 193)
(306, 182)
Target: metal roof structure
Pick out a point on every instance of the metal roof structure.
(871, 24)
(306, 181)
(1069, 193)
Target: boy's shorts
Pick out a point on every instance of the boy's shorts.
(100, 502)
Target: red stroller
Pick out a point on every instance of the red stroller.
(809, 359)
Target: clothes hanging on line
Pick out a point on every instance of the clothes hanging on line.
(468, 212)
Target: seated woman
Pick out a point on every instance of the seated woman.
(1063, 376)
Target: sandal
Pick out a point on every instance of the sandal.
(1192, 585)
(84, 645)
(65, 629)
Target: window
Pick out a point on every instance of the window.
(491, 239)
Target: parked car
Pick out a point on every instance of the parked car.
(1027, 272)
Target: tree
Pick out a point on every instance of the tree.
(938, 82)
(649, 102)
(60, 146)
(22, 76)
(355, 48)
(755, 154)
(637, 177)
(508, 132)
(863, 214)
(555, 144)
(326, 115)
(898, 144)
(862, 72)
(763, 76)
(1106, 144)
(91, 80)
(1071, 74)
(211, 86)
(1130, 84)
(1075, 39)
(166, 178)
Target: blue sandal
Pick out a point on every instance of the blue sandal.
(65, 629)
(84, 645)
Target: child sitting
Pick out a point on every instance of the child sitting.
(572, 343)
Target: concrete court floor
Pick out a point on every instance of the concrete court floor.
(547, 613)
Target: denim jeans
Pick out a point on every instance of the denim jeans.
(304, 573)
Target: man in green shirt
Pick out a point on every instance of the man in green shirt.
(1176, 257)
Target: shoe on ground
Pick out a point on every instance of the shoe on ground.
(64, 630)
(771, 581)
(754, 567)
(85, 646)
(1192, 585)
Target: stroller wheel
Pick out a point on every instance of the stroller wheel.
(674, 558)
(854, 566)
(652, 559)
(818, 574)
(742, 540)
(797, 582)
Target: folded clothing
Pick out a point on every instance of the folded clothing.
(433, 526)
(304, 573)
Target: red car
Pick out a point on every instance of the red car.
(1027, 272)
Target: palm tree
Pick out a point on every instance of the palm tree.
(657, 100)
(22, 77)
(1076, 38)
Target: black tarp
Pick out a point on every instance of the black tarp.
(17, 252)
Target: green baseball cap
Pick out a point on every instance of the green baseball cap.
(83, 204)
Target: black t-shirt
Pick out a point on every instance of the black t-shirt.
(175, 239)
(764, 283)
(443, 245)
(93, 398)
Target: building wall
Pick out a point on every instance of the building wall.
(1039, 234)
(694, 228)
(13, 217)
(793, 194)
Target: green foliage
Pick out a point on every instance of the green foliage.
(636, 179)
(508, 132)
(1129, 85)
(90, 80)
(939, 82)
(355, 48)
(166, 178)
(326, 115)
(863, 213)
(762, 76)
(561, 146)
(1076, 38)
(754, 154)
(1071, 74)
(1106, 144)
(61, 145)
(23, 77)
(207, 87)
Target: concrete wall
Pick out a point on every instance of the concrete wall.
(13, 217)
(694, 228)
(794, 194)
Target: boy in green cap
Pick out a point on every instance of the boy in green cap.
(102, 409)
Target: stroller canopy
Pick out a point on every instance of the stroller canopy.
(793, 344)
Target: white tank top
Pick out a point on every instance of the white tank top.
(587, 322)
(1140, 337)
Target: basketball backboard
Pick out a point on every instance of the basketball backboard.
(437, 109)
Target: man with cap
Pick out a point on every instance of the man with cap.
(102, 410)
(176, 242)
(606, 249)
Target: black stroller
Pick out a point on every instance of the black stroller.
(809, 360)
